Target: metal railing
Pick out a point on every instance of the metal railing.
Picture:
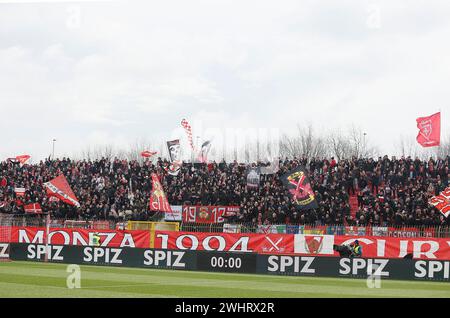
(384, 231)
(391, 231)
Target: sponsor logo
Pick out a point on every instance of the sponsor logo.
(291, 264)
(42, 252)
(363, 267)
(432, 269)
(164, 259)
(102, 255)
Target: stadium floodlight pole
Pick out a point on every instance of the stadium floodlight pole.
(364, 144)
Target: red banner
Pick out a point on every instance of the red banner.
(376, 247)
(442, 202)
(60, 188)
(304, 244)
(208, 214)
(158, 199)
(256, 243)
(67, 236)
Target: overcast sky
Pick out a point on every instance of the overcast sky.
(92, 73)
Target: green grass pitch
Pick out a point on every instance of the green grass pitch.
(30, 279)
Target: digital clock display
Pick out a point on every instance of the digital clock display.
(226, 262)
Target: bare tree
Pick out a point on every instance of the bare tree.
(354, 143)
(304, 143)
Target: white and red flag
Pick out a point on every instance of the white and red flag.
(23, 159)
(60, 188)
(20, 192)
(158, 199)
(187, 127)
(429, 130)
(33, 208)
(442, 202)
(148, 154)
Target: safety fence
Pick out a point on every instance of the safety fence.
(387, 231)
(391, 231)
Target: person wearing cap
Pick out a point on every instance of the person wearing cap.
(356, 249)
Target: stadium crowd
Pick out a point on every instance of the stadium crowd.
(389, 191)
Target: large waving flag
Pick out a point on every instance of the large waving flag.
(175, 157)
(22, 159)
(442, 202)
(299, 187)
(60, 188)
(187, 127)
(429, 130)
(158, 199)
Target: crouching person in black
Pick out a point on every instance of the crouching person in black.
(352, 250)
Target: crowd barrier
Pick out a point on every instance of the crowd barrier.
(382, 231)
(248, 263)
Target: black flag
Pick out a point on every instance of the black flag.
(175, 157)
(300, 190)
(253, 177)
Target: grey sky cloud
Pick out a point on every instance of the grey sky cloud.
(132, 70)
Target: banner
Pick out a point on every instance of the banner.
(429, 130)
(253, 177)
(225, 242)
(409, 232)
(208, 214)
(386, 247)
(33, 208)
(175, 215)
(158, 199)
(305, 244)
(442, 202)
(20, 192)
(231, 228)
(175, 157)
(60, 188)
(355, 230)
(271, 229)
(297, 182)
(267, 264)
(74, 236)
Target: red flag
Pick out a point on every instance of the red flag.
(429, 130)
(23, 159)
(60, 188)
(148, 154)
(33, 208)
(158, 199)
(442, 202)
